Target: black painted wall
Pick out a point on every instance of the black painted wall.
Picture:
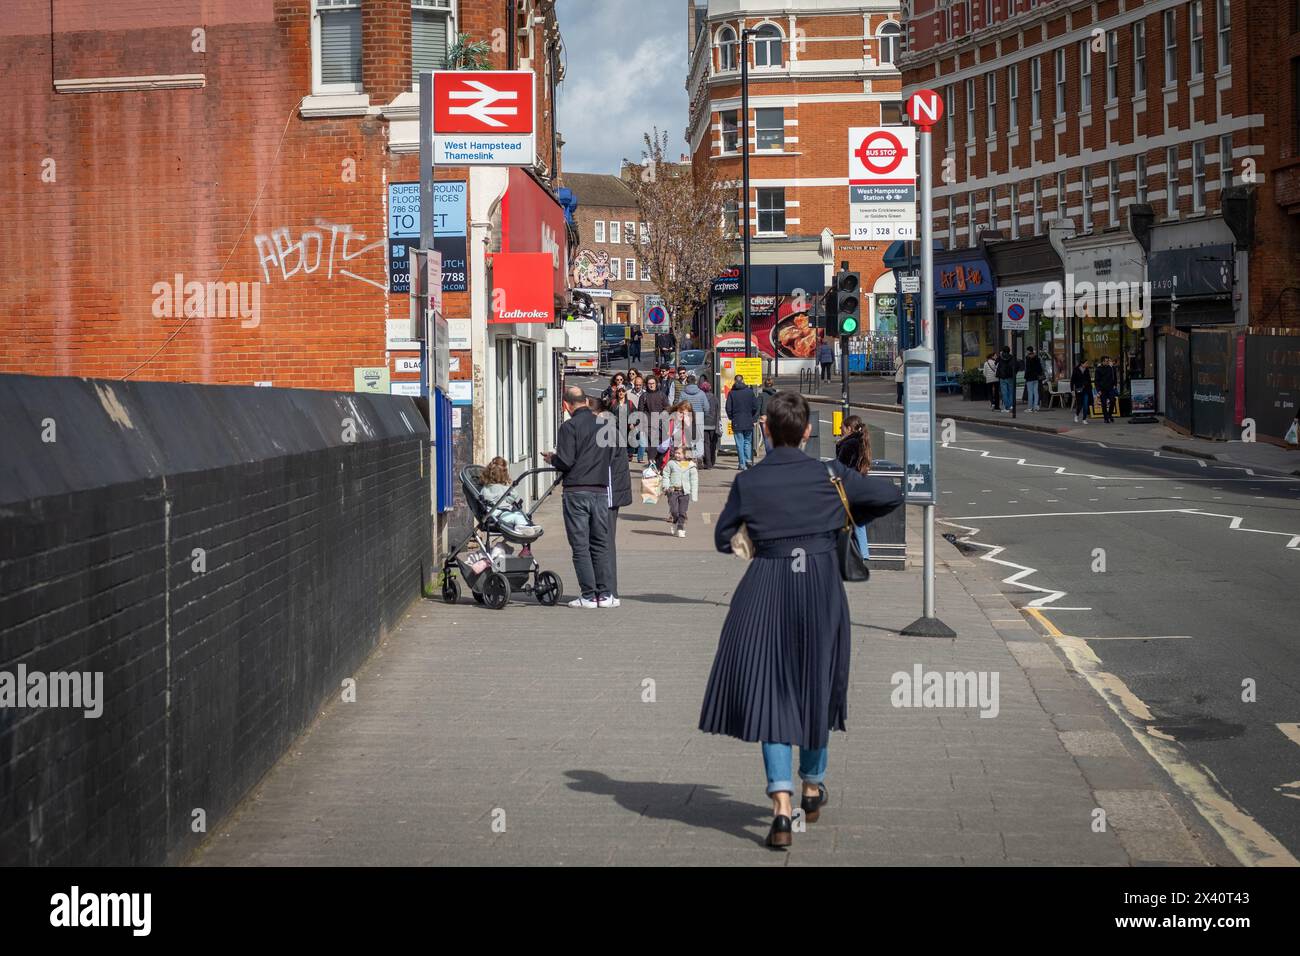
(309, 514)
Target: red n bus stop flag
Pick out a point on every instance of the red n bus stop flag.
(523, 287)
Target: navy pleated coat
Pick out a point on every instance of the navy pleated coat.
(781, 672)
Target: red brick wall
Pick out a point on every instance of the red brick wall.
(106, 194)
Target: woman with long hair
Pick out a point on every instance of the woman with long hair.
(853, 451)
(781, 673)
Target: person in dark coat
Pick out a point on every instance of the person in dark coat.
(826, 359)
(781, 672)
(1006, 371)
(1033, 376)
(1107, 383)
(742, 409)
(634, 344)
(711, 421)
(1081, 385)
(763, 397)
(620, 491)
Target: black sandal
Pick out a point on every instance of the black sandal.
(781, 834)
(812, 806)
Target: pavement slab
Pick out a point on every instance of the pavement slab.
(529, 736)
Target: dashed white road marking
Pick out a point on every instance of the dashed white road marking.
(1148, 637)
(1063, 470)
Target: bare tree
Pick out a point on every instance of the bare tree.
(682, 208)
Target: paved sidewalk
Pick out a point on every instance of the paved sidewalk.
(537, 718)
(878, 392)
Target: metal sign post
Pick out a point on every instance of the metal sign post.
(426, 230)
(925, 108)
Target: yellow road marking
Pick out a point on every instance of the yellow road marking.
(1249, 842)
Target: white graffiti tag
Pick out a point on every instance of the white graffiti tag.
(279, 249)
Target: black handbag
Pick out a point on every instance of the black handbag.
(853, 566)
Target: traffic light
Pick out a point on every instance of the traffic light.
(829, 322)
(846, 291)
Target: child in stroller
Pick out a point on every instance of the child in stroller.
(505, 507)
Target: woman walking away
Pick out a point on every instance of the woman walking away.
(781, 673)
(682, 482)
(1081, 385)
(853, 451)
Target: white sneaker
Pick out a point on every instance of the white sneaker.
(608, 601)
(1076, 419)
(1085, 421)
(681, 532)
(582, 602)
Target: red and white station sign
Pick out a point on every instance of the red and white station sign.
(882, 155)
(484, 117)
(925, 107)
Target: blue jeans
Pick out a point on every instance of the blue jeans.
(777, 761)
(1008, 390)
(1033, 394)
(745, 448)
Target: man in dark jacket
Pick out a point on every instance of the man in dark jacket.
(742, 409)
(1081, 385)
(711, 421)
(585, 464)
(1108, 387)
(1007, 377)
(634, 344)
(1033, 375)
(826, 358)
(620, 488)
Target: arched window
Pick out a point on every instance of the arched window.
(727, 49)
(767, 46)
(890, 39)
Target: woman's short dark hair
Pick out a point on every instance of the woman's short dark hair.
(787, 418)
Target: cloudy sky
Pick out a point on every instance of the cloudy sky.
(626, 73)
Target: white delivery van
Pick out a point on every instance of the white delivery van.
(582, 346)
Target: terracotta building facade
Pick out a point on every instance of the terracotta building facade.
(816, 68)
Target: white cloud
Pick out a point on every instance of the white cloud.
(625, 74)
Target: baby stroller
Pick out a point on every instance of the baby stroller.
(491, 567)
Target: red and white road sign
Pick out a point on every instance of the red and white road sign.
(474, 101)
(484, 117)
(882, 156)
(925, 107)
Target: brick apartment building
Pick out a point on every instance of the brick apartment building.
(606, 263)
(816, 68)
(150, 150)
(1130, 141)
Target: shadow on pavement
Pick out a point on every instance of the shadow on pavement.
(694, 804)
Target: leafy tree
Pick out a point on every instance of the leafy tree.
(682, 208)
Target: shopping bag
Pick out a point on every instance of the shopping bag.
(651, 489)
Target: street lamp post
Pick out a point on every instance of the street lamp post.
(745, 34)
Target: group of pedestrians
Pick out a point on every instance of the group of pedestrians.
(1087, 389)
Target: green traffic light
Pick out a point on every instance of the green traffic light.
(849, 325)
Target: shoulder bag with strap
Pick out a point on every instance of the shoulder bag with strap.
(853, 567)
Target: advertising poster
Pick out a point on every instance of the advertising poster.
(1143, 391)
(777, 327)
(918, 438)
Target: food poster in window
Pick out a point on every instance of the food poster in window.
(780, 326)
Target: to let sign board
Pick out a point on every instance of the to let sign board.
(882, 183)
(484, 117)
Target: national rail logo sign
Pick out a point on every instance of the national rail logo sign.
(882, 183)
(484, 117)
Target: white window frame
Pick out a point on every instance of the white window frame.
(1038, 206)
(629, 233)
(1171, 47)
(645, 271)
(759, 211)
(1196, 37)
(970, 110)
(1198, 176)
(1013, 97)
(1062, 82)
(645, 233)
(1223, 17)
(1085, 74)
(767, 41)
(1227, 167)
(728, 49)
(780, 147)
(629, 270)
(436, 6)
(1087, 200)
(971, 235)
(723, 132)
(1140, 174)
(1036, 89)
(1015, 211)
(952, 222)
(993, 208)
(991, 102)
(889, 42)
(1112, 66)
(1112, 187)
(1172, 184)
(615, 231)
(318, 86)
(616, 268)
(1139, 36)
(950, 102)
(1062, 191)
(598, 231)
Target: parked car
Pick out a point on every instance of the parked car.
(613, 343)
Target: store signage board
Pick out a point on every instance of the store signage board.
(521, 287)
(484, 117)
(882, 183)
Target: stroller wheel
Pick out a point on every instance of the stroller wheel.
(478, 597)
(496, 591)
(548, 588)
(450, 588)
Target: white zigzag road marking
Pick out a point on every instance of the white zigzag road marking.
(1022, 571)
(1064, 470)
